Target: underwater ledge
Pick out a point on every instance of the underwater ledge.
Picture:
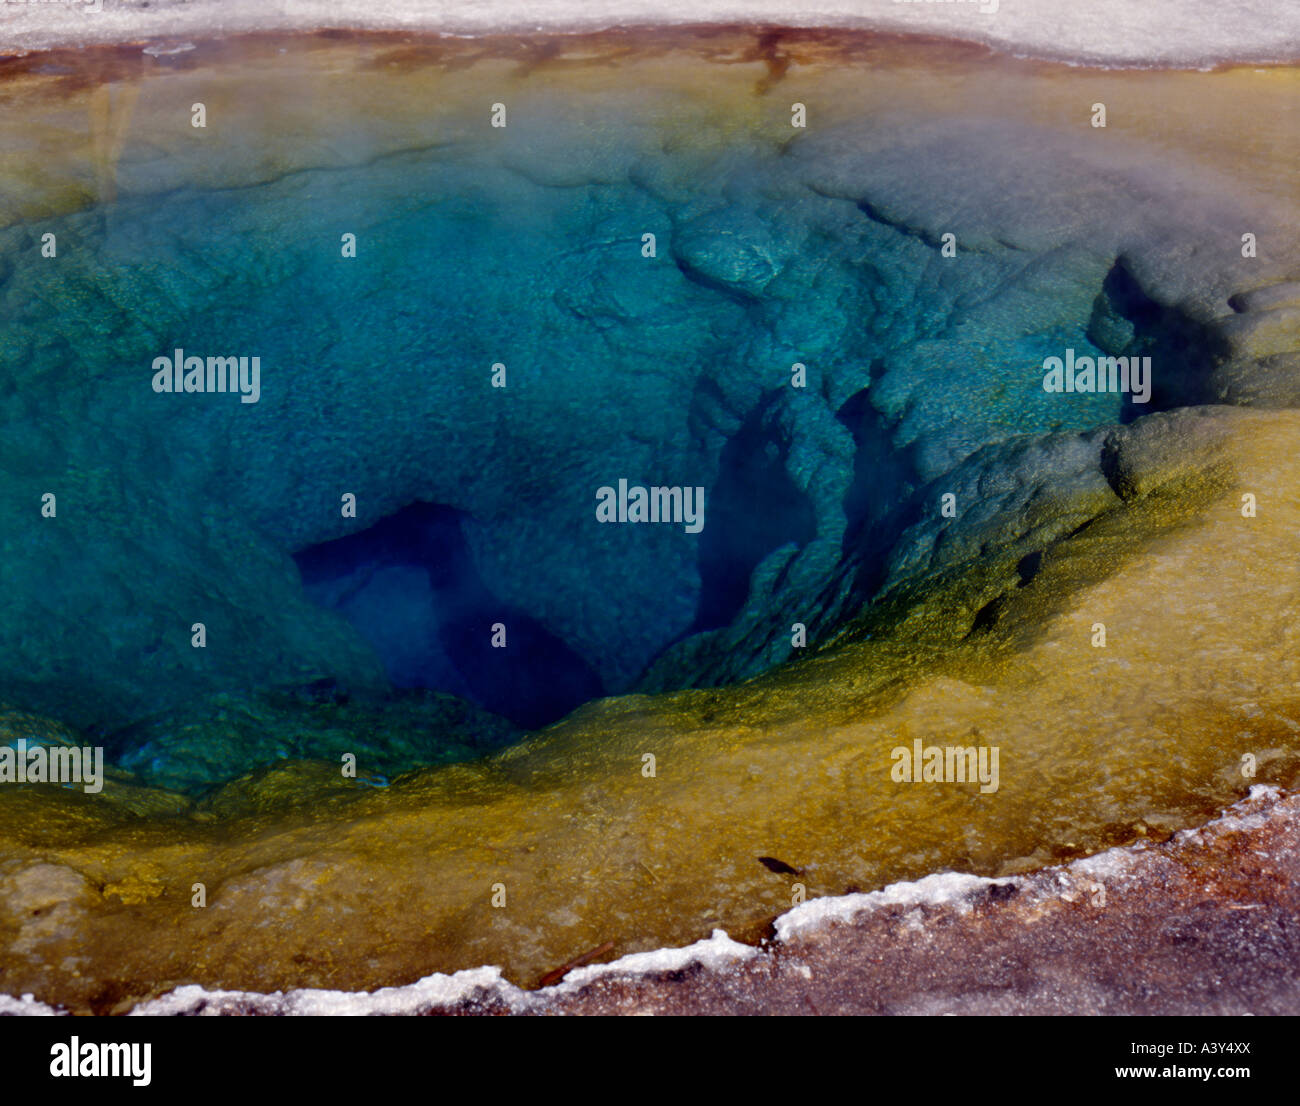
(985, 631)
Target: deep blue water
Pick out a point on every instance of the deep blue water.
(476, 505)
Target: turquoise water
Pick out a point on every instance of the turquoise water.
(475, 504)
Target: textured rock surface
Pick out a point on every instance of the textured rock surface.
(1205, 924)
(1195, 32)
(216, 739)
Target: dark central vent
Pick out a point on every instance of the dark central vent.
(410, 588)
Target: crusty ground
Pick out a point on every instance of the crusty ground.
(1206, 923)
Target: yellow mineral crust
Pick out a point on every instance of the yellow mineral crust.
(1097, 745)
(87, 127)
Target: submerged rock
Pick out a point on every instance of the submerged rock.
(220, 738)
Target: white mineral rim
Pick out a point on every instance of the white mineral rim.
(1177, 33)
